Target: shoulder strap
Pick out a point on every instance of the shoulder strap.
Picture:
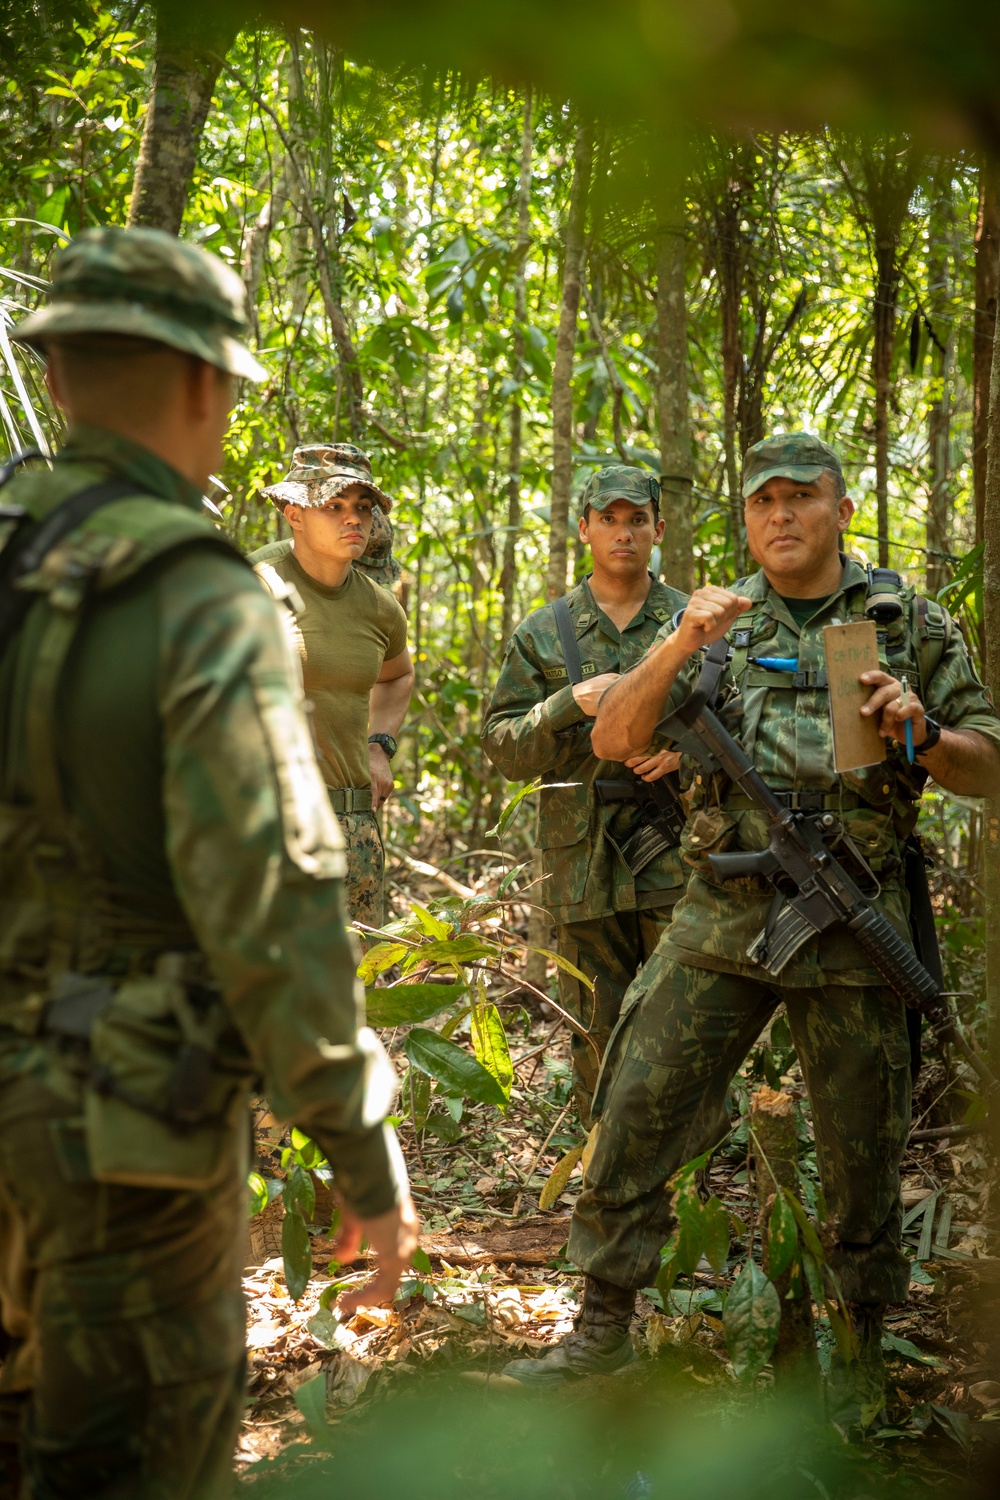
(567, 639)
(28, 549)
(933, 638)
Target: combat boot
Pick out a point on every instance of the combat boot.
(600, 1342)
(855, 1391)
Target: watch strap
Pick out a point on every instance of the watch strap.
(933, 729)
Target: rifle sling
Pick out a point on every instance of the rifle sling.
(567, 640)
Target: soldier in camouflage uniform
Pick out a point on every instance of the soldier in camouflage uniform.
(171, 920)
(352, 641)
(609, 909)
(700, 1003)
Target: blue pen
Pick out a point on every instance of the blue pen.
(907, 723)
(777, 663)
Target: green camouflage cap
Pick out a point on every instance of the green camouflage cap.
(797, 455)
(377, 561)
(620, 482)
(149, 285)
(322, 471)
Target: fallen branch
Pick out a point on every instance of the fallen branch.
(432, 872)
(945, 1132)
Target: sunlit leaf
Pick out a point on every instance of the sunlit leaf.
(489, 1039)
(452, 1066)
(405, 1004)
(555, 1183)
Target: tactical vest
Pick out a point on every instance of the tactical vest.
(125, 994)
(877, 803)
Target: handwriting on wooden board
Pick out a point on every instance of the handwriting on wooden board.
(851, 650)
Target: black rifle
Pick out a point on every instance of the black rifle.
(813, 890)
(662, 816)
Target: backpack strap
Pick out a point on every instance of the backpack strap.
(567, 639)
(935, 629)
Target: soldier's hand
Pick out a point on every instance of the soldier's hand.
(652, 767)
(707, 616)
(393, 1237)
(887, 701)
(589, 694)
(382, 780)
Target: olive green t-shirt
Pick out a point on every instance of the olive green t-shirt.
(347, 633)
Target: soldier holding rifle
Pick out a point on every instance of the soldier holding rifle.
(702, 1000)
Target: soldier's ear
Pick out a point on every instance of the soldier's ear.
(582, 527)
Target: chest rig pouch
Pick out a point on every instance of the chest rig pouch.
(163, 1073)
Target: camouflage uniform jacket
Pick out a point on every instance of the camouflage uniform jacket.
(196, 814)
(783, 722)
(535, 727)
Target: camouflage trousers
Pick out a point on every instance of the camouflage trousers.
(123, 1309)
(683, 1034)
(364, 887)
(611, 951)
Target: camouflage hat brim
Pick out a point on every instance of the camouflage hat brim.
(804, 473)
(315, 496)
(133, 318)
(601, 502)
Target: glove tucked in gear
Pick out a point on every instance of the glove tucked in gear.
(600, 1342)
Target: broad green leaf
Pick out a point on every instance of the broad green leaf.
(807, 1229)
(690, 1230)
(490, 1043)
(452, 1066)
(466, 949)
(405, 1004)
(559, 1176)
(310, 1398)
(814, 1278)
(380, 958)
(751, 1321)
(296, 1252)
(565, 965)
(782, 1237)
(325, 1328)
(443, 1126)
(668, 1272)
(504, 821)
(896, 1345)
(418, 1096)
(300, 1191)
(258, 1194)
(420, 1261)
(509, 879)
(715, 1234)
(429, 923)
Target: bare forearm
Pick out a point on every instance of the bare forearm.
(965, 762)
(631, 709)
(387, 705)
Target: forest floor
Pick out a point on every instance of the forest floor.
(495, 1285)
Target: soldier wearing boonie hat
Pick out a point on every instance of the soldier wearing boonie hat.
(170, 861)
(352, 641)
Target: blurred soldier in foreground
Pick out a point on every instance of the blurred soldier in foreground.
(705, 996)
(171, 923)
(352, 640)
(612, 874)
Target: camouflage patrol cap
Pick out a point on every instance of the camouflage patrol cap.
(322, 471)
(146, 284)
(620, 482)
(377, 561)
(797, 455)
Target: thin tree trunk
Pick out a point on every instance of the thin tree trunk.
(991, 842)
(562, 372)
(884, 321)
(939, 415)
(730, 291)
(987, 277)
(676, 467)
(508, 571)
(189, 55)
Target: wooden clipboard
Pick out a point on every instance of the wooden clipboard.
(851, 650)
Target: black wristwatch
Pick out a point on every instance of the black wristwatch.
(933, 729)
(386, 741)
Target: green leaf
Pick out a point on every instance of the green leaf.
(715, 1234)
(404, 1004)
(380, 958)
(420, 1261)
(690, 1230)
(258, 1194)
(506, 816)
(310, 1398)
(490, 1042)
(751, 1321)
(807, 1229)
(419, 1096)
(565, 965)
(300, 1191)
(432, 925)
(466, 949)
(668, 1272)
(443, 1126)
(296, 1252)
(324, 1327)
(509, 879)
(782, 1236)
(896, 1345)
(452, 1066)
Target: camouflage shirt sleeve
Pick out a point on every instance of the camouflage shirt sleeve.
(257, 856)
(956, 697)
(523, 730)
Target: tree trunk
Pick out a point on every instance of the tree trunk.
(562, 372)
(991, 843)
(884, 323)
(677, 547)
(730, 274)
(987, 276)
(189, 55)
(508, 571)
(939, 415)
(772, 1121)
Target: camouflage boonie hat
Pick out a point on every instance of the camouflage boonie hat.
(620, 482)
(797, 455)
(322, 471)
(377, 560)
(146, 284)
